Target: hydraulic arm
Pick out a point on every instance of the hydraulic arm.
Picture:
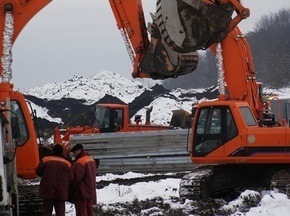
(178, 29)
(22, 11)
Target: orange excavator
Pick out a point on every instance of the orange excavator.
(18, 137)
(110, 118)
(242, 143)
(239, 141)
(255, 144)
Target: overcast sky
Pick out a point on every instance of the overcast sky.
(80, 37)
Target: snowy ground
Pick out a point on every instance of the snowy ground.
(114, 197)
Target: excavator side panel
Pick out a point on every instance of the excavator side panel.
(249, 143)
(22, 131)
(27, 154)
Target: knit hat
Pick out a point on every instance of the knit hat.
(57, 149)
(77, 147)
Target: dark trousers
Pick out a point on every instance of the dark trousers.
(59, 207)
(83, 207)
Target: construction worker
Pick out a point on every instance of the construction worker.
(56, 175)
(83, 190)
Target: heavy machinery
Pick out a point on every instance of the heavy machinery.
(18, 137)
(109, 118)
(15, 14)
(112, 118)
(19, 149)
(240, 141)
(254, 153)
(116, 118)
(18, 140)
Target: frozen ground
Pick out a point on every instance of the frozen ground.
(161, 198)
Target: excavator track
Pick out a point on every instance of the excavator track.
(192, 183)
(208, 181)
(29, 202)
(226, 181)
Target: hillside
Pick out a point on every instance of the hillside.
(72, 102)
(91, 89)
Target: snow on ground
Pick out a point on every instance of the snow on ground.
(272, 203)
(42, 112)
(121, 193)
(162, 110)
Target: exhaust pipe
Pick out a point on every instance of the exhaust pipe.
(148, 111)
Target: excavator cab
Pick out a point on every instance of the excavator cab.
(214, 127)
(18, 125)
(109, 118)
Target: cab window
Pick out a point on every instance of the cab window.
(102, 117)
(118, 118)
(248, 116)
(215, 126)
(18, 124)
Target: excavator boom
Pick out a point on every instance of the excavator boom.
(131, 23)
(232, 130)
(17, 136)
(239, 72)
(177, 31)
(22, 11)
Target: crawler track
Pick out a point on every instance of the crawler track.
(227, 180)
(192, 183)
(29, 202)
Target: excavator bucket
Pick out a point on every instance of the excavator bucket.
(180, 118)
(190, 25)
(178, 30)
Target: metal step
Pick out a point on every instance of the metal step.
(150, 151)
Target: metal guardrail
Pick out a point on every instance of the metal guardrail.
(150, 151)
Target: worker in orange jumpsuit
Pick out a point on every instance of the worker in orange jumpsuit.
(83, 190)
(56, 175)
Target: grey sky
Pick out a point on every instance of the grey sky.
(80, 37)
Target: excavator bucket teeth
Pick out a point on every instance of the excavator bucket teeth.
(180, 118)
